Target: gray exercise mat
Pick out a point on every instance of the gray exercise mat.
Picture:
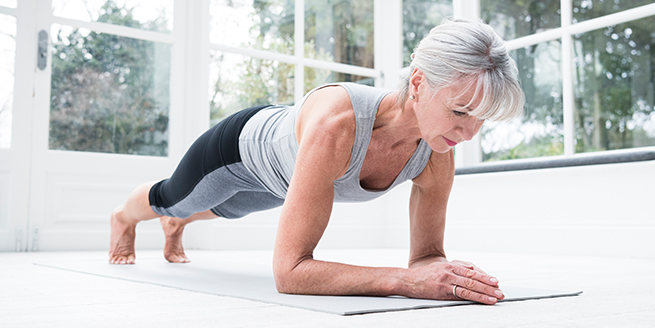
(242, 281)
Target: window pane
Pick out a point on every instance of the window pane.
(614, 90)
(513, 19)
(143, 14)
(108, 93)
(419, 17)
(7, 57)
(254, 24)
(540, 131)
(237, 82)
(316, 77)
(588, 9)
(340, 31)
(8, 3)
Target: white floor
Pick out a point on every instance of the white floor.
(618, 292)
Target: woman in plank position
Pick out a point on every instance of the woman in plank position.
(345, 142)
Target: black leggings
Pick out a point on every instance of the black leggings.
(212, 177)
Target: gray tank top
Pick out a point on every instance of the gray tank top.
(268, 146)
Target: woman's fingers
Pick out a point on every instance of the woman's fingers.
(477, 291)
(475, 285)
(469, 295)
(475, 275)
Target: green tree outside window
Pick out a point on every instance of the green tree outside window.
(110, 93)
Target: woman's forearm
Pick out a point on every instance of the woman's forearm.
(314, 277)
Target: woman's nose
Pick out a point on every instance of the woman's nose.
(470, 127)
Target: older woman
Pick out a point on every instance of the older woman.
(345, 142)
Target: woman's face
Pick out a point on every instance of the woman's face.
(442, 120)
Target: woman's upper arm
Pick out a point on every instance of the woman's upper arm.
(428, 201)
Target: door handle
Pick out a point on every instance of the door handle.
(42, 52)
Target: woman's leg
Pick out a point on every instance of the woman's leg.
(202, 181)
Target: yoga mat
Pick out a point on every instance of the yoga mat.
(241, 280)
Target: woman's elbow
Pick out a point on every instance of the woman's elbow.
(282, 282)
(287, 275)
(283, 275)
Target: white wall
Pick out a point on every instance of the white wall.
(599, 210)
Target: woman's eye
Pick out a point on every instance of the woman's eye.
(458, 113)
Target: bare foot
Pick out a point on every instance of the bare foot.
(173, 229)
(121, 244)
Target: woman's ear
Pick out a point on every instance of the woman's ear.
(414, 81)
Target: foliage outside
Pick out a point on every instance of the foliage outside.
(614, 71)
(419, 17)
(615, 86)
(110, 93)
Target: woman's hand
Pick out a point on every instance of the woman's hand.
(455, 280)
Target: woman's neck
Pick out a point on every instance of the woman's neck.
(398, 124)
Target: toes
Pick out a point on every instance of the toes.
(122, 260)
(174, 258)
(181, 259)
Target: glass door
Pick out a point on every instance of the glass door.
(105, 116)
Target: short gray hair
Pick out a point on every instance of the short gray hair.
(470, 52)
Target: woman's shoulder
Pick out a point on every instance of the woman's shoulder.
(330, 104)
(327, 111)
